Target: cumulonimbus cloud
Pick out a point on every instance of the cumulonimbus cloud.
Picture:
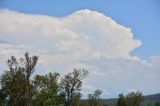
(84, 32)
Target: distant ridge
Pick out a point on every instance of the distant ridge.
(151, 99)
(148, 99)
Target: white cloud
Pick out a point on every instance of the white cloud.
(84, 33)
(124, 74)
(86, 39)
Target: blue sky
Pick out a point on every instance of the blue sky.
(142, 16)
(116, 40)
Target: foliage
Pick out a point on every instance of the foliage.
(157, 104)
(94, 99)
(19, 89)
(122, 100)
(15, 83)
(132, 99)
(47, 89)
(71, 85)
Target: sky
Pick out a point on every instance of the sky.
(115, 40)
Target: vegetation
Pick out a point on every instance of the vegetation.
(122, 100)
(132, 99)
(94, 99)
(71, 85)
(149, 100)
(46, 90)
(16, 85)
(20, 88)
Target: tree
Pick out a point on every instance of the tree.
(94, 99)
(134, 98)
(76, 100)
(157, 104)
(47, 90)
(121, 100)
(71, 85)
(16, 83)
(2, 98)
(149, 104)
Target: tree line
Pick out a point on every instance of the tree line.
(20, 87)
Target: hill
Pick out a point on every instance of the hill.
(149, 99)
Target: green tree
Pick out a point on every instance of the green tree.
(16, 83)
(149, 104)
(2, 98)
(76, 100)
(94, 99)
(134, 98)
(71, 85)
(47, 90)
(121, 100)
(157, 104)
